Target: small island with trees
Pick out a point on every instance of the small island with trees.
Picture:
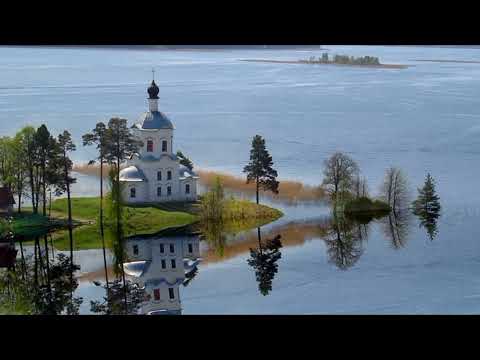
(343, 60)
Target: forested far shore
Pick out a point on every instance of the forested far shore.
(343, 60)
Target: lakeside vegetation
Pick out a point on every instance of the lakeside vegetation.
(289, 191)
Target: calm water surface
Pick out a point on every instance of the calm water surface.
(424, 118)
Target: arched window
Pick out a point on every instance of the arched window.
(187, 189)
(133, 192)
(159, 175)
(149, 146)
(169, 190)
(164, 146)
(169, 175)
(159, 191)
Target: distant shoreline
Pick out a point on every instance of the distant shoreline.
(381, 66)
(449, 61)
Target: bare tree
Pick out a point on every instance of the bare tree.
(360, 186)
(395, 189)
(339, 174)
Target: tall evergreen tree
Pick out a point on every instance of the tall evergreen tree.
(259, 169)
(66, 146)
(98, 136)
(45, 144)
(120, 145)
(427, 207)
(427, 200)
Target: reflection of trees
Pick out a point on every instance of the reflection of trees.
(428, 220)
(264, 261)
(214, 233)
(396, 227)
(40, 285)
(344, 241)
(114, 301)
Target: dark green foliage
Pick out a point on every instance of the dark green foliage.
(185, 161)
(97, 137)
(427, 200)
(365, 204)
(120, 143)
(427, 207)
(259, 169)
(40, 286)
(63, 163)
(264, 261)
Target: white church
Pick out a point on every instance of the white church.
(155, 173)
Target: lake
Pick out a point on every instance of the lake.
(425, 118)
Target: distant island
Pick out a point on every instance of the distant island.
(345, 60)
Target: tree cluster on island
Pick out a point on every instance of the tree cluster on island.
(344, 59)
(349, 194)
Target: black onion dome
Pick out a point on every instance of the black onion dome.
(153, 90)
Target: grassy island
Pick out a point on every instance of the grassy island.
(148, 219)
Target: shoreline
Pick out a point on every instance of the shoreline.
(381, 66)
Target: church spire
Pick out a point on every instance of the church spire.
(153, 94)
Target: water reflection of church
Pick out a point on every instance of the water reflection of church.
(161, 265)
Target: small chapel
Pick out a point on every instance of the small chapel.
(155, 174)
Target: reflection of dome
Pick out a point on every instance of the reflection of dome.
(154, 120)
(135, 268)
(132, 173)
(153, 90)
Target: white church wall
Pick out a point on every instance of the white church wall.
(141, 192)
(156, 136)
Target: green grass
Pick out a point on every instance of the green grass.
(141, 220)
(85, 208)
(147, 219)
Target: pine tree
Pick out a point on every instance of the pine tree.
(259, 169)
(427, 207)
(66, 145)
(427, 200)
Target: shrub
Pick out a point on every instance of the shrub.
(364, 204)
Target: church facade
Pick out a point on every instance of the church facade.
(155, 174)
